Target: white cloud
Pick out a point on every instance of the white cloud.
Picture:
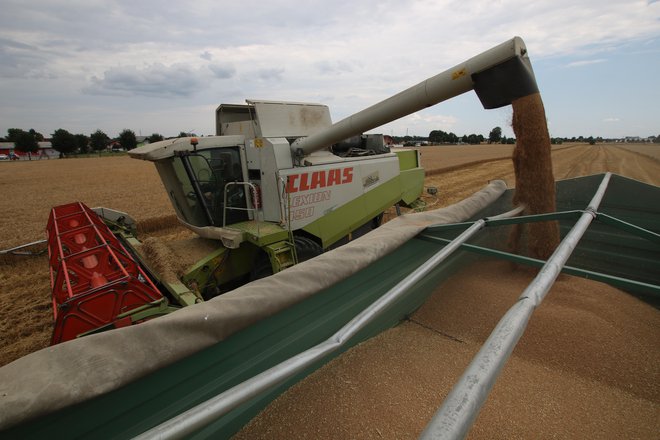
(346, 53)
(222, 71)
(271, 74)
(419, 124)
(442, 122)
(21, 60)
(585, 62)
(156, 80)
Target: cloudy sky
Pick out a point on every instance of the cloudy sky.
(164, 66)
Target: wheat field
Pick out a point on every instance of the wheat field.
(32, 188)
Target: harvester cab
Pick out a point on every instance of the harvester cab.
(201, 180)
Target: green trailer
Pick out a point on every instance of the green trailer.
(213, 389)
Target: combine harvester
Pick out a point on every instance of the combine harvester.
(273, 189)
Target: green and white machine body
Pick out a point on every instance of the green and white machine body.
(280, 176)
(247, 189)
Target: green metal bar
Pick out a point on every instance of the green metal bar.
(511, 221)
(597, 276)
(152, 313)
(151, 310)
(181, 293)
(563, 215)
(628, 227)
(449, 226)
(158, 307)
(489, 252)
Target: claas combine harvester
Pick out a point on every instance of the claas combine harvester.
(278, 184)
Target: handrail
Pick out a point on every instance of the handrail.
(206, 412)
(457, 414)
(249, 207)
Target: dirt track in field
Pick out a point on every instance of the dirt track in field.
(599, 159)
(567, 161)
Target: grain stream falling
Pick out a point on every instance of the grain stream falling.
(535, 183)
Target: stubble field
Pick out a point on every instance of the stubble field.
(133, 186)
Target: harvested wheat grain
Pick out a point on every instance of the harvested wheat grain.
(556, 384)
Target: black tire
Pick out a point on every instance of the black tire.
(262, 267)
(377, 221)
(306, 248)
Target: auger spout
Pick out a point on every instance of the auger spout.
(498, 76)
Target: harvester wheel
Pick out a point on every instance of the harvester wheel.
(262, 267)
(377, 221)
(306, 248)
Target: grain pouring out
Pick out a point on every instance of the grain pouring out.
(535, 183)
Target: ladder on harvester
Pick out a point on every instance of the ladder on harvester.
(281, 254)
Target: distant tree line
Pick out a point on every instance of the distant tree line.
(496, 137)
(67, 143)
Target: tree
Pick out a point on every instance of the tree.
(38, 136)
(82, 143)
(437, 136)
(13, 134)
(25, 142)
(495, 135)
(99, 140)
(127, 139)
(155, 138)
(63, 141)
(474, 139)
(440, 137)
